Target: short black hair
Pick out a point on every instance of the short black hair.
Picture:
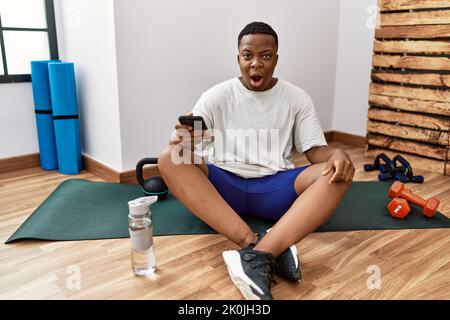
(257, 27)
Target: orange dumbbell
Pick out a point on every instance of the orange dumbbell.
(429, 206)
(399, 208)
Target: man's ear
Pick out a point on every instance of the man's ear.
(238, 58)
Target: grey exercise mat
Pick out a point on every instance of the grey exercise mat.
(83, 210)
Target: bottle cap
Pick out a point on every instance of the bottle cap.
(142, 205)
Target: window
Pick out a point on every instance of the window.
(27, 33)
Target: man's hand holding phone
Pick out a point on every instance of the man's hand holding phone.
(185, 133)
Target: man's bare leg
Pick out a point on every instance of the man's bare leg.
(317, 201)
(190, 184)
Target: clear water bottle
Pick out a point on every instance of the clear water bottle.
(141, 233)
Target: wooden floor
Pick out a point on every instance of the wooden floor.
(414, 264)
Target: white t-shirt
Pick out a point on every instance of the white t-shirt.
(255, 133)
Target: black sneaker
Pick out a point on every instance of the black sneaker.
(251, 271)
(287, 264)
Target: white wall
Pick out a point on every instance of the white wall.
(354, 59)
(18, 135)
(169, 52)
(86, 37)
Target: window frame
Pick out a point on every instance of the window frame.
(52, 40)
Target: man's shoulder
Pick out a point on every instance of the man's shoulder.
(296, 95)
(220, 89)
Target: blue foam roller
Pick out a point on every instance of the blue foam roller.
(44, 117)
(63, 88)
(68, 144)
(41, 84)
(65, 117)
(46, 139)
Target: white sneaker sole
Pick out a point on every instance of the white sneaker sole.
(295, 256)
(240, 279)
(293, 249)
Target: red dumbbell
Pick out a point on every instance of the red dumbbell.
(399, 208)
(429, 206)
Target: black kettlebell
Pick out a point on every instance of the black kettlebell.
(155, 186)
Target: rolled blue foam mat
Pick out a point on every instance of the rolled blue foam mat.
(63, 88)
(67, 134)
(44, 114)
(46, 140)
(65, 116)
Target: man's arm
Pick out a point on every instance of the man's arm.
(336, 159)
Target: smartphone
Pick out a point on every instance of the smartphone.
(190, 120)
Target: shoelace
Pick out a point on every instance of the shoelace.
(261, 261)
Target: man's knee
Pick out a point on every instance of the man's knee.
(165, 159)
(308, 176)
(317, 170)
(173, 155)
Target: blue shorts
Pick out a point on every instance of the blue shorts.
(267, 197)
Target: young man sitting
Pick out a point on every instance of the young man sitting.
(242, 181)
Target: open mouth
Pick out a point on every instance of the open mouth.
(256, 80)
